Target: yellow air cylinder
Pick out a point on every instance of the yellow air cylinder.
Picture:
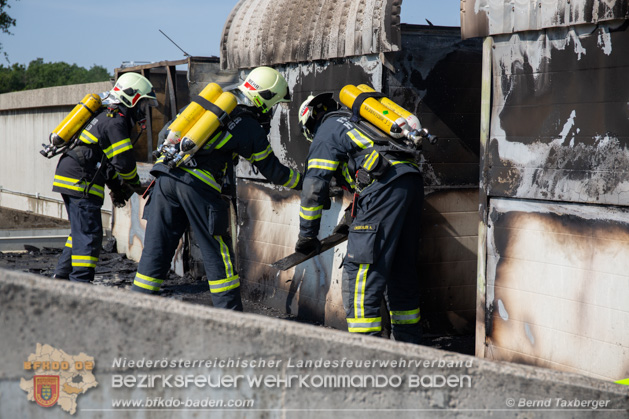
(207, 124)
(75, 120)
(193, 112)
(411, 119)
(373, 111)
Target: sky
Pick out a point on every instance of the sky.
(108, 33)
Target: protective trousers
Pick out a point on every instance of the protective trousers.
(172, 207)
(381, 260)
(80, 254)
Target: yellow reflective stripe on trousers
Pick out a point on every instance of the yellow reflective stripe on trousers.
(360, 139)
(261, 155)
(204, 176)
(69, 242)
(293, 180)
(130, 175)
(147, 282)
(359, 290)
(362, 324)
(77, 185)
(311, 213)
(223, 285)
(117, 148)
(405, 317)
(87, 137)
(227, 261)
(322, 164)
(84, 261)
(624, 382)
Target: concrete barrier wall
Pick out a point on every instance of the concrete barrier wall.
(26, 120)
(116, 329)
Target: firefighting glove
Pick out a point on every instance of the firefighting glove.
(307, 245)
(343, 226)
(120, 196)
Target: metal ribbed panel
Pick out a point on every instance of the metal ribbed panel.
(267, 32)
(493, 17)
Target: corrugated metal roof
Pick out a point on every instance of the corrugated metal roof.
(494, 17)
(267, 32)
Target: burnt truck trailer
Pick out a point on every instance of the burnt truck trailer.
(429, 70)
(554, 250)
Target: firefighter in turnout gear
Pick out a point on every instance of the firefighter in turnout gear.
(383, 237)
(189, 195)
(101, 155)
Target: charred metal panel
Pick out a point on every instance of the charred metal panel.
(560, 124)
(286, 139)
(437, 77)
(269, 32)
(171, 90)
(268, 229)
(204, 70)
(447, 261)
(494, 17)
(558, 286)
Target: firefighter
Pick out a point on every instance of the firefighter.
(190, 194)
(383, 237)
(103, 155)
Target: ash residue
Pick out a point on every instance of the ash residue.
(116, 270)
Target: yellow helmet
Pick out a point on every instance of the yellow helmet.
(264, 87)
(131, 87)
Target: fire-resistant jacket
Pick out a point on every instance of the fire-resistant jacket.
(338, 150)
(104, 140)
(245, 137)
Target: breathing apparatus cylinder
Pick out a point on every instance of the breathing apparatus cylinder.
(188, 118)
(75, 120)
(206, 125)
(71, 125)
(411, 119)
(387, 116)
(375, 112)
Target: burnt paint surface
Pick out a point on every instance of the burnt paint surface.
(487, 17)
(436, 76)
(272, 32)
(267, 218)
(560, 122)
(312, 80)
(578, 241)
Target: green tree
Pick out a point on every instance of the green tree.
(39, 74)
(6, 21)
(12, 79)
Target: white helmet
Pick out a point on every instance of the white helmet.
(264, 87)
(312, 109)
(131, 87)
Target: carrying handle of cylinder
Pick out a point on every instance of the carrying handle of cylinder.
(360, 99)
(223, 117)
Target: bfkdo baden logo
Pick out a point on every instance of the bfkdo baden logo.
(59, 377)
(46, 389)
